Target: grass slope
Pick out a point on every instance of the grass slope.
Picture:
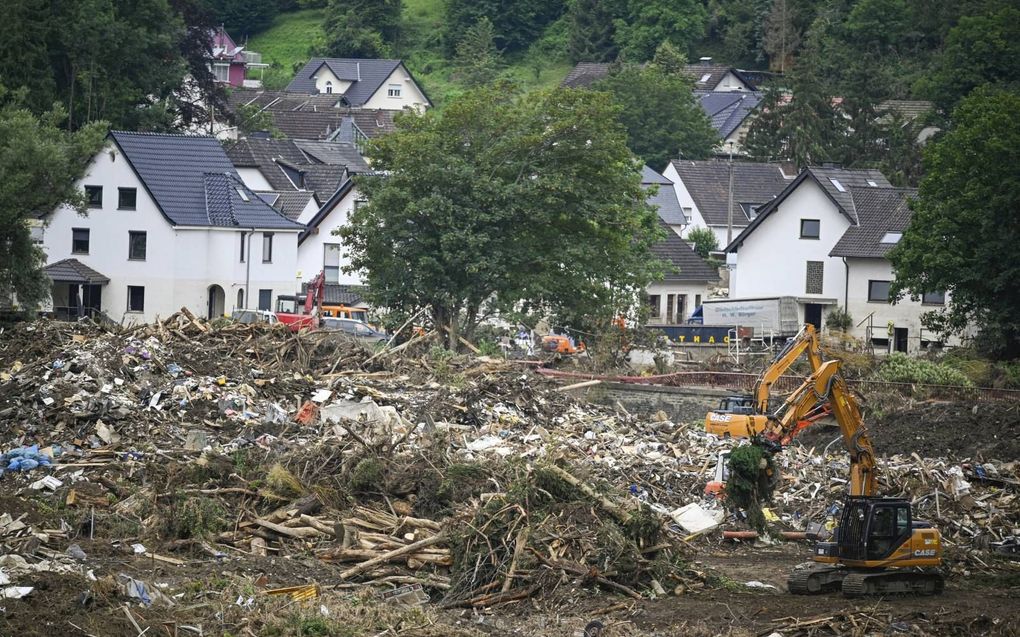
(287, 44)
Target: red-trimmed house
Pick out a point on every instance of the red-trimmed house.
(228, 61)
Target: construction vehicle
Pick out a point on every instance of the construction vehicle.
(877, 547)
(562, 344)
(746, 416)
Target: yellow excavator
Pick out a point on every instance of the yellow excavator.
(877, 547)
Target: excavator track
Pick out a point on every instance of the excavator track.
(863, 583)
(814, 579)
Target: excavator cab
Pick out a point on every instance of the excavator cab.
(735, 417)
(873, 536)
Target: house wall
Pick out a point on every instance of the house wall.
(664, 288)
(691, 210)
(180, 263)
(773, 260)
(309, 211)
(254, 179)
(311, 251)
(236, 76)
(410, 95)
(904, 313)
(730, 82)
(324, 75)
(108, 240)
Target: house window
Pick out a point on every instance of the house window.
(697, 301)
(654, 301)
(136, 298)
(393, 90)
(934, 298)
(136, 246)
(809, 228)
(221, 72)
(94, 194)
(126, 198)
(815, 277)
(329, 87)
(36, 232)
(80, 240)
(331, 262)
(240, 298)
(688, 213)
(878, 291)
(267, 247)
(244, 244)
(265, 299)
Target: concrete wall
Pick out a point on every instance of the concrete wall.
(682, 405)
(773, 260)
(410, 95)
(324, 76)
(311, 251)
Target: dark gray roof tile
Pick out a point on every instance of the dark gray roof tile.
(880, 211)
(708, 184)
(74, 271)
(664, 199)
(685, 263)
(174, 170)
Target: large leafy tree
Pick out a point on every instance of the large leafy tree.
(123, 61)
(243, 18)
(39, 165)
(981, 49)
(478, 61)
(361, 28)
(590, 31)
(649, 23)
(531, 203)
(516, 24)
(662, 117)
(965, 227)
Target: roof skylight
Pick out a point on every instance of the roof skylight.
(839, 186)
(242, 194)
(891, 237)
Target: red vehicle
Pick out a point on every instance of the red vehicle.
(298, 322)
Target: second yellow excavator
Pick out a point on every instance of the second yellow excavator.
(877, 547)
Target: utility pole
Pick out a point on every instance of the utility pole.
(729, 215)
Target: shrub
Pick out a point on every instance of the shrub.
(900, 368)
(839, 319)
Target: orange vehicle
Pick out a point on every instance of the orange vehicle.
(560, 344)
(346, 312)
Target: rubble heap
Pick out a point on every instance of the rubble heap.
(469, 482)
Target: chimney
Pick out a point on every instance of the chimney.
(705, 60)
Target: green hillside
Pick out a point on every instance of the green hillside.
(290, 42)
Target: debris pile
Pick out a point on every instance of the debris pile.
(137, 460)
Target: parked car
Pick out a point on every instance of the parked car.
(254, 316)
(357, 329)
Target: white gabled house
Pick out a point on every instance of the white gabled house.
(170, 224)
(319, 249)
(361, 83)
(823, 242)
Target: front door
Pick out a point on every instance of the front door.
(900, 339)
(813, 315)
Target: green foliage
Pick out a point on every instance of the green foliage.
(981, 49)
(500, 201)
(649, 23)
(839, 319)
(244, 17)
(285, 45)
(367, 475)
(753, 475)
(478, 60)
(122, 61)
(590, 28)
(195, 517)
(965, 225)
(39, 165)
(900, 368)
(351, 34)
(662, 117)
(781, 36)
(704, 240)
(252, 118)
(516, 24)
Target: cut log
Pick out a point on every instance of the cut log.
(386, 557)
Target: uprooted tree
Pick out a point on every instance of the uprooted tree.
(504, 202)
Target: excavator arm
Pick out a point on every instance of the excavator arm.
(806, 342)
(822, 393)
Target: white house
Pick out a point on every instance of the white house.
(361, 83)
(688, 277)
(170, 224)
(703, 187)
(319, 249)
(823, 242)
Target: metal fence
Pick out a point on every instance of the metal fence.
(743, 382)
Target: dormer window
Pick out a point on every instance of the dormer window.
(329, 87)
